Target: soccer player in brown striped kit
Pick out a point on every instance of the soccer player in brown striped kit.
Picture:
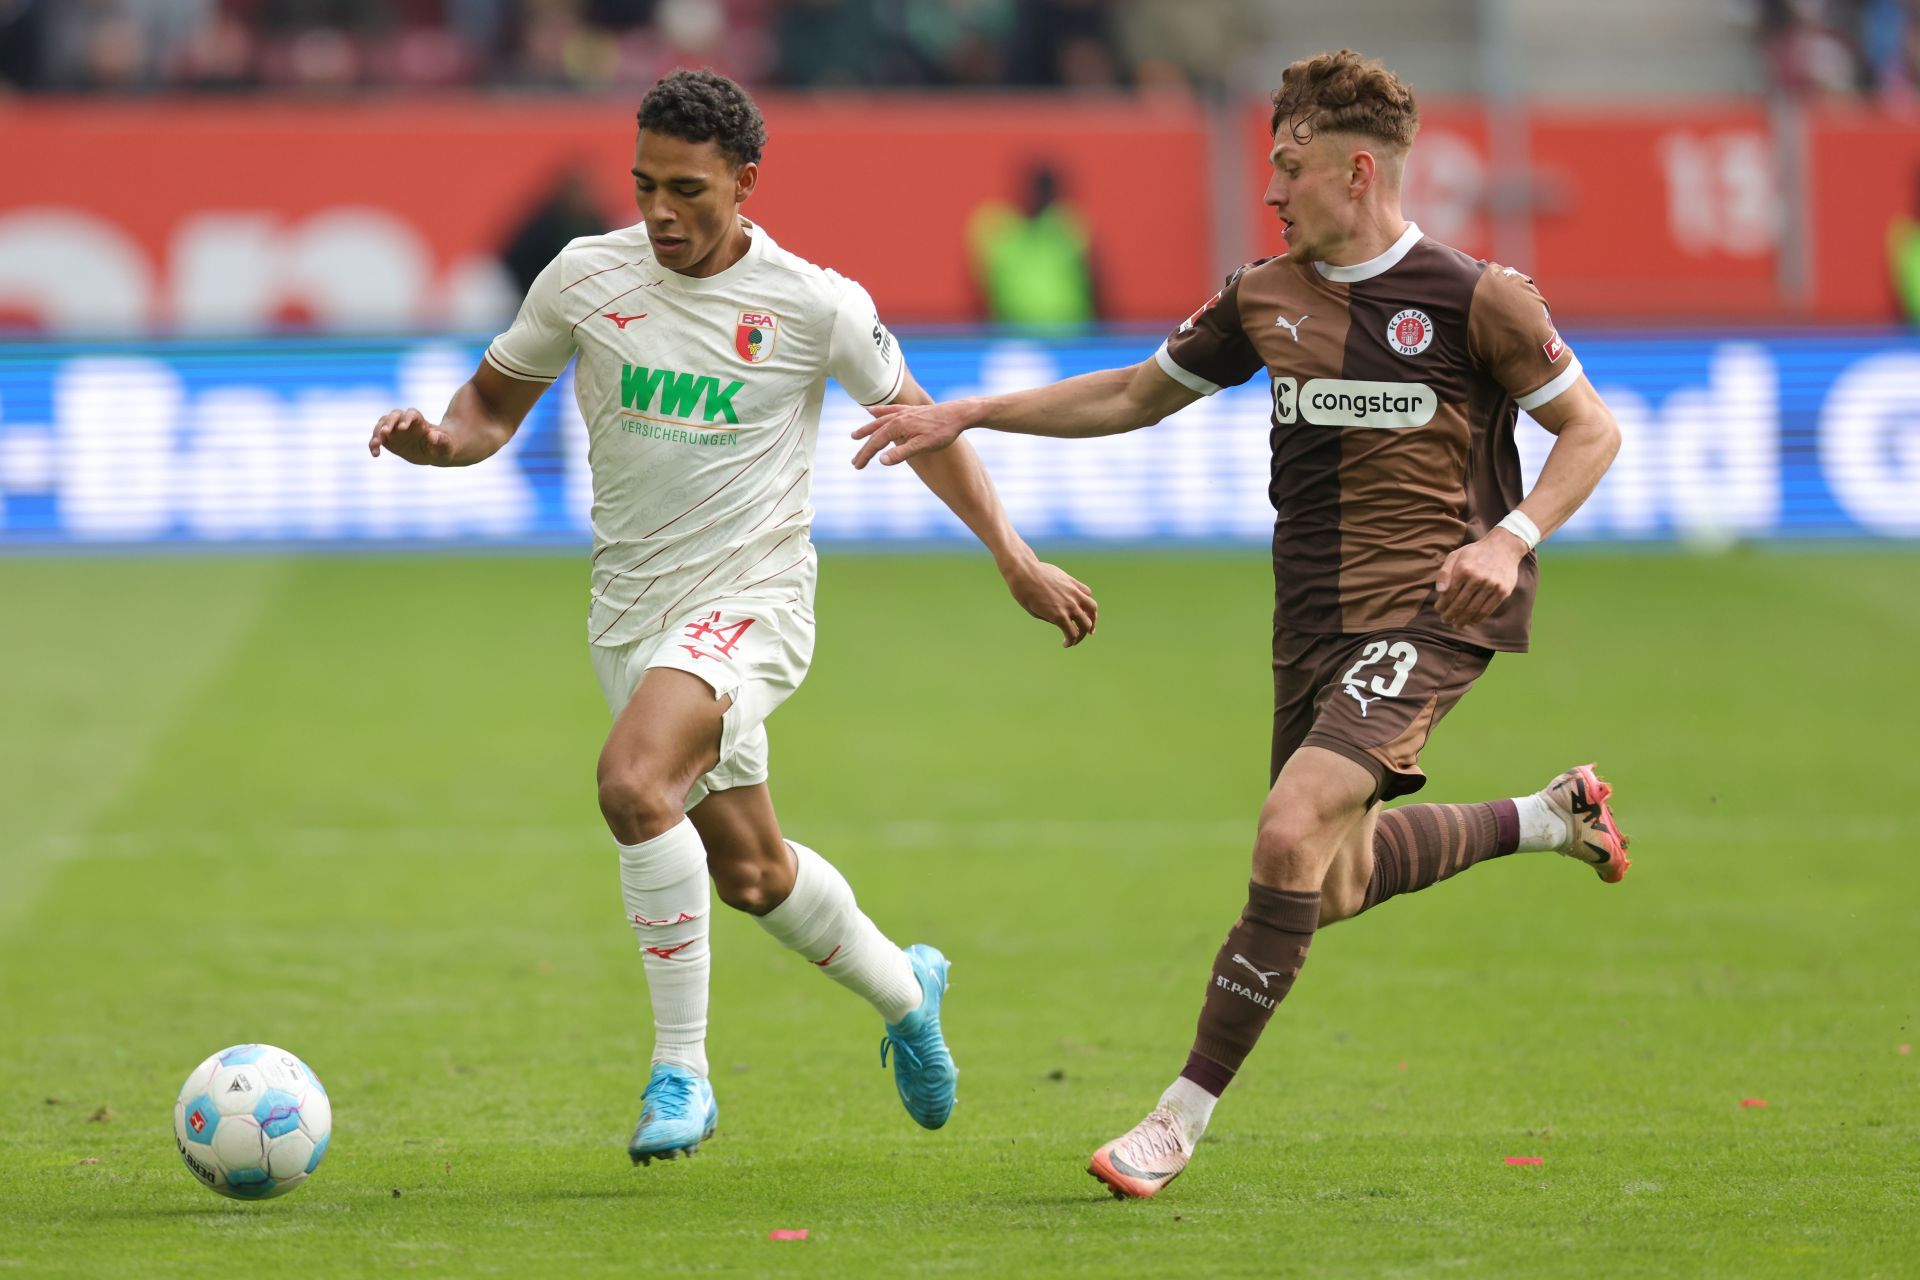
(1403, 544)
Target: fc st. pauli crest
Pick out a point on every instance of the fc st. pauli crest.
(753, 338)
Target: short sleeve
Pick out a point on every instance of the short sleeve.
(862, 356)
(1210, 350)
(538, 346)
(1510, 334)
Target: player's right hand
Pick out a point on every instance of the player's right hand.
(406, 433)
(906, 429)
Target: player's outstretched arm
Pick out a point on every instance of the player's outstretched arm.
(958, 478)
(1094, 404)
(1477, 579)
(483, 415)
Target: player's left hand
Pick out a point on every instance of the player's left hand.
(904, 430)
(1053, 595)
(1477, 579)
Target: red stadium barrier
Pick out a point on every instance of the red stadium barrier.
(211, 215)
(1863, 172)
(220, 216)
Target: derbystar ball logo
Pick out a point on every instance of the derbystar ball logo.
(753, 338)
(1410, 332)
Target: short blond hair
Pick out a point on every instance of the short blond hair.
(1345, 92)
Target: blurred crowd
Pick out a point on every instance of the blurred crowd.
(1812, 47)
(1842, 47)
(236, 45)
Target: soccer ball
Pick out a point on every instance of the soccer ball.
(252, 1122)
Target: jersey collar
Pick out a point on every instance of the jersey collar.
(1373, 266)
(756, 244)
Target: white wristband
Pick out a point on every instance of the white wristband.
(1517, 524)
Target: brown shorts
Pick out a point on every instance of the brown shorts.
(1372, 698)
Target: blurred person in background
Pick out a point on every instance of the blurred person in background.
(958, 42)
(1890, 36)
(1903, 257)
(1034, 263)
(1189, 45)
(1812, 46)
(23, 26)
(1066, 43)
(566, 214)
(825, 43)
(120, 44)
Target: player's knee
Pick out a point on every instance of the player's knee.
(637, 803)
(1283, 853)
(744, 889)
(755, 886)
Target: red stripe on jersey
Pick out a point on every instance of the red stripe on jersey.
(602, 271)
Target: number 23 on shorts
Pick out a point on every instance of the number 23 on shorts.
(1399, 652)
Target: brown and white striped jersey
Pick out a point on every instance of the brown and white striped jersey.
(1395, 389)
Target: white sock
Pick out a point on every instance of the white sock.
(1191, 1105)
(1541, 828)
(822, 922)
(664, 884)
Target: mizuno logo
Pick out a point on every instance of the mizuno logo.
(1263, 976)
(1364, 702)
(623, 321)
(1291, 326)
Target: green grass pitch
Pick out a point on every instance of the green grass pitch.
(346, 806)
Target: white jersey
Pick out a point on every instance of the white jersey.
(702, 403)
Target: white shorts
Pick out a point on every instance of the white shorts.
(754, 650)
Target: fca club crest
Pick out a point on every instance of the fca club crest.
(753, 339)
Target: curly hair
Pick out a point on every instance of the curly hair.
(1345, 92)
(704, 106)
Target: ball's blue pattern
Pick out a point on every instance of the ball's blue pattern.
(278, 1112)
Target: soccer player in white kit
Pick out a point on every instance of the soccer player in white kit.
(703, 352)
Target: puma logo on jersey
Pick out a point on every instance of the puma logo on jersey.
(1248, 964)
(623, 321)
(1291, 326)
(679, 395)
(1364, 702)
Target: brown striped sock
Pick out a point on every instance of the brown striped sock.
(1251, 976)
(1417, 845)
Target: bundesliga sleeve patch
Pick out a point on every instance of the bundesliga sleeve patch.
(753, 337)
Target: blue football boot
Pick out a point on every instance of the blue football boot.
(679, 1114)
(923, 1070)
